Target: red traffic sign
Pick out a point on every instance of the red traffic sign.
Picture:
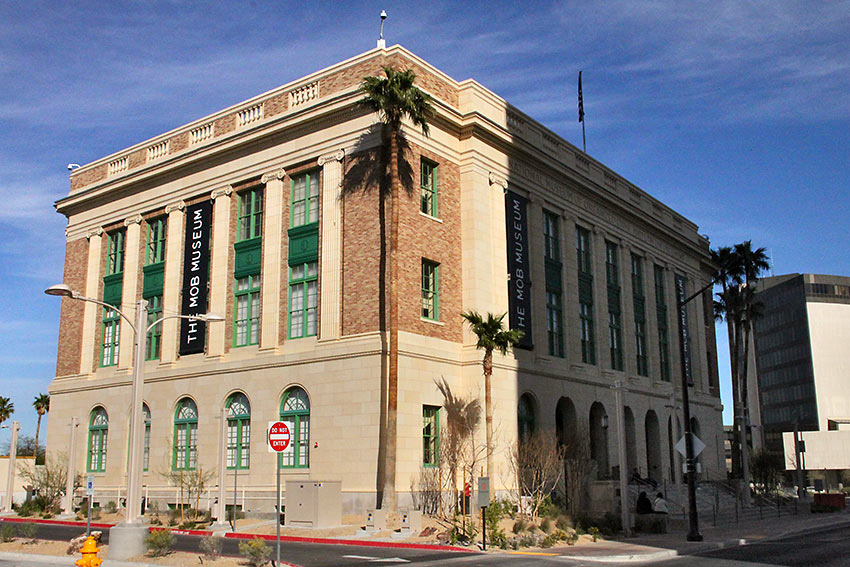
(278, 436)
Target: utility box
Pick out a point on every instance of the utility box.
(411, 521)
(313, 504)
(376, 519)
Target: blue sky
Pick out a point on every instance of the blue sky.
(735, 114)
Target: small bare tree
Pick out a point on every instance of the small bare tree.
(578, 466)
(49, 479)
(190, 485)
(536, 462)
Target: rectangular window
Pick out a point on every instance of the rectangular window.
(583, 250)
(238, 443)
(305, 199)
(250, 219)
(640, 316)
(430, 436)
(428, 188)
(155, 249)
(303, 300)
(615, 329)
(551, 236)
(111, 334)
(430, 290)
(554, 324)
(115, 253)
(246, 327)
(588, 349)
(154, 339)
(661, 309)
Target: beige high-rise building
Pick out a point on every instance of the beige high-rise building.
(268, 213)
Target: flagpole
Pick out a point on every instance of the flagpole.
(581, 114)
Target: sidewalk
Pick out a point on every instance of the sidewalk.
(646, 547)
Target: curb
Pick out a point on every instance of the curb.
(623, 558)
(19, 520)
(357, 542)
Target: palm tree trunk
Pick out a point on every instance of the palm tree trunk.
(37, 429)
(389, 498)
(745, 457)
(488, 408)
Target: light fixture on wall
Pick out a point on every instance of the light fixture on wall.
(604, 421)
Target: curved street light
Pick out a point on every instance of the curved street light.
(134, 466)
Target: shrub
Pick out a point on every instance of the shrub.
(111, 507)
(27, 530)
(520, 525)
(593, 532)
(548, 508)
(187, 525)
(549, 540)
(610, 524)
(563, 523)
(528, 540)
(546, 525)
(569, 536)
(159, 542)
(28, 509)
(255, 551)
(7, 533)
(211, 547)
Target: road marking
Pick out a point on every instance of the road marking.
(377, 559)
(365, 557)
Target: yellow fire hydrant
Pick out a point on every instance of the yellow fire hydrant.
(89, 558)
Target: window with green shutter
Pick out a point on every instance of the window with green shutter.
(185, 455)
(250, 218)
(295, 413)
(246, 323)
(98, 430)
(430, 436)
(238, 431)
(430, 290)
(428, 188)
(305, 199)
(155, 248)
(303, 300)
(154, 338)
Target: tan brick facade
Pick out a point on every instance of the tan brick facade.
(70, 332)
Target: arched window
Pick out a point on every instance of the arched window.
(525, 417)
(238, 431)
(295, 412)
(146, 412)
(185, 435)
(98, 429)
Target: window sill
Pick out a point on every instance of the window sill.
(432, 321)
(427, 216)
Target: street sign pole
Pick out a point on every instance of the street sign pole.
(278, 438)
(89, 494)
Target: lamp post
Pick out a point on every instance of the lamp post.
(132, 522)
(13, 452)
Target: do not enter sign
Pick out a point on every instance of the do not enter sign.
(278, 436)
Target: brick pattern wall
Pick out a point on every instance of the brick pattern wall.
(180, 142)
(85, 178)
(277, 105)
(71, 312)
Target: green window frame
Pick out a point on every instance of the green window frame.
(615, 327)
(663, 338)
(615, 340)
(98, 433)
(588, 346)
(115, 252)
(185, 454)
(551, 236)
(430, 290)
(238, 432)
(146, 454)
(430, 436)
(295, 413)
(304, 199)
(640, 316)
(153, 345)
(250, 218)
(155, 249)
(583, 251)
(555, 323)
(303, 300)
(428, 188)
(110, 337)
(640, 348)
(246, 311)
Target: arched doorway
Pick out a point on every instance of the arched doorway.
(599, 440)
(653, 446)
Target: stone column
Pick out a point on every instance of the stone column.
(270, 288)
(171, 287)
(91, 311)
(129, 290)
(627, 311)
(600, 299)
(572, 321)
(218, 269)
(331, 253)
(498, 237)
(653, 358)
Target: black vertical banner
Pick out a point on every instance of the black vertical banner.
(682, 316)
(519, 266)
(196, 270)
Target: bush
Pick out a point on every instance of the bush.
(28, 508)
(549, 540)
(111, 507)
(548, 508)
(546, 525)
(7, 533)
(27, 530)
(528, 540)
(95, 512)
(593, 532)
(211, 547)
(520, 525)
(159, 542)
(570, 536)
(187, 525)
(255, 551)
(563, 523)
(610, 524)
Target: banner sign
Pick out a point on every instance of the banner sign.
(684, 342)
(196, 271)
(519, 266)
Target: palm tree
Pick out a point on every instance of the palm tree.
(41, 403)
(492, 335)
(395, 97)
(7, 408)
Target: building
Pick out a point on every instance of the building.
(802, 364)
(280, 191)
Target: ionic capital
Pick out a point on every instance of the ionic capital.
(137, 219)
(223, 192)
(172, 207)
(278, 174)
(333, 156)
(95, 232)
(497, 180)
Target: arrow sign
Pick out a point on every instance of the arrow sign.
(278, 436)
(698, 445)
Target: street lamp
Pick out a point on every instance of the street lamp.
(132, 531)
(13, 452)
